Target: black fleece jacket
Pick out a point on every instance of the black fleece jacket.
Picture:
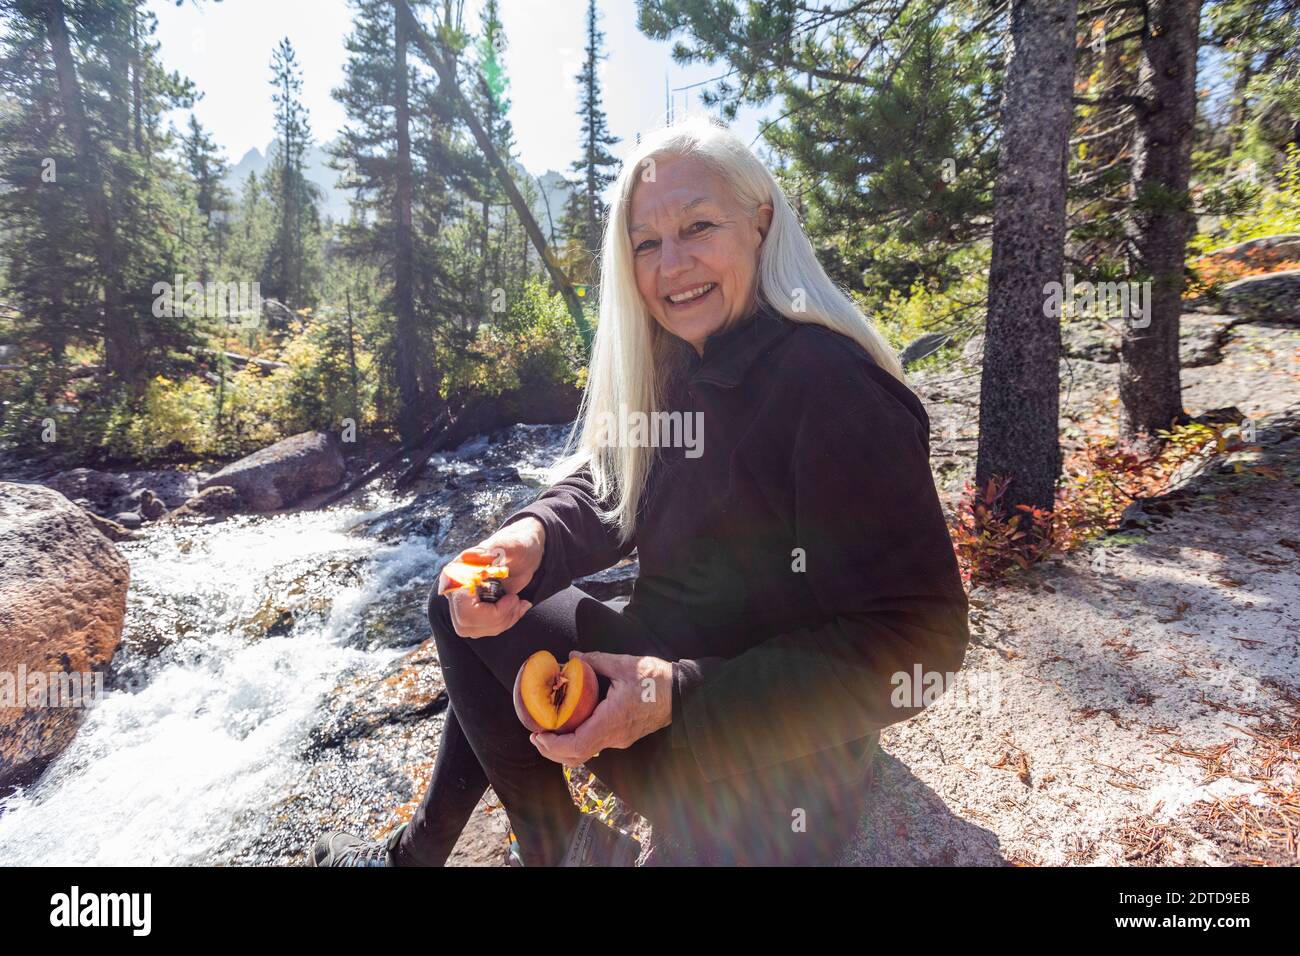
(795, 562)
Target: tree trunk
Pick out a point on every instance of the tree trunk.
(1149, 388)
(409, 418)
(122, 345)
(1237, 115)
(1020, 390)
(136, 96)
(352, 361)
(484, 296)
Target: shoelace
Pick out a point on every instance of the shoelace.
(365, 854)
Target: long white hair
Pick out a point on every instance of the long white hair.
(629, 357)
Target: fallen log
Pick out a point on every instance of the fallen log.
(551, 404)
(391, 460)
(265, 365)
(448, 435)
(446, 70)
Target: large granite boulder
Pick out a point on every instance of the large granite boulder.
(62, 602)
(1267, 251)
(1200, 339)
(1272, 297)
(284, 473)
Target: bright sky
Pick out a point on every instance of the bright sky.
(225, 48)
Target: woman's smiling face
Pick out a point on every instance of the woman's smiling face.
(689, 233)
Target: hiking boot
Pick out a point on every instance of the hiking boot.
(344, 849)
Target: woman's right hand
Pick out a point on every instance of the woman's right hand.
(523, 543)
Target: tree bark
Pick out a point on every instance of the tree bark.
(136, 96)
(1020, 389)
(409, 417)
(352, 361)
(1149, 387)
(122, 344)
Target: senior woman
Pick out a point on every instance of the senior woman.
(795, 566)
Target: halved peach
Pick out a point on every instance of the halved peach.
(554, 699)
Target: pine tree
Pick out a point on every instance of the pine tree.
(1162, 221)
(1262, 39)
(886, 136)
(88, 218)
(207, 169)
(47, 243)
(410, 420)
(291, 272)
(251, 230)
(374, 152)
(489, 100)
(399, 151)
(585, 213)
(1131, 196)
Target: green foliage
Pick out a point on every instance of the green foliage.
(315, 391)
(1260, 41)
(885, 139)
(1271, 210)
(491, 44)
(956, 307)
(75, 277)
(189, 416)
(170, 418)
(291, 272)
(533, 343)
(166, 420)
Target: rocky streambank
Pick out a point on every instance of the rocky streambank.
(274, 676)
(63, 595)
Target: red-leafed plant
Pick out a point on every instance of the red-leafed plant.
(990, 539)
(1099, 481)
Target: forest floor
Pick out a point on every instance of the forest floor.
(1137, 703)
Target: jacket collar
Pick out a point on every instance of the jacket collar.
(729, 354)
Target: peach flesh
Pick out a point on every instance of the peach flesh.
(554, 699)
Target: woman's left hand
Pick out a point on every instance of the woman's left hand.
(639, 702)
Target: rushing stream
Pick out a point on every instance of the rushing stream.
(243, 640)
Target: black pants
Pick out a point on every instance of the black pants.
(800, 813)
